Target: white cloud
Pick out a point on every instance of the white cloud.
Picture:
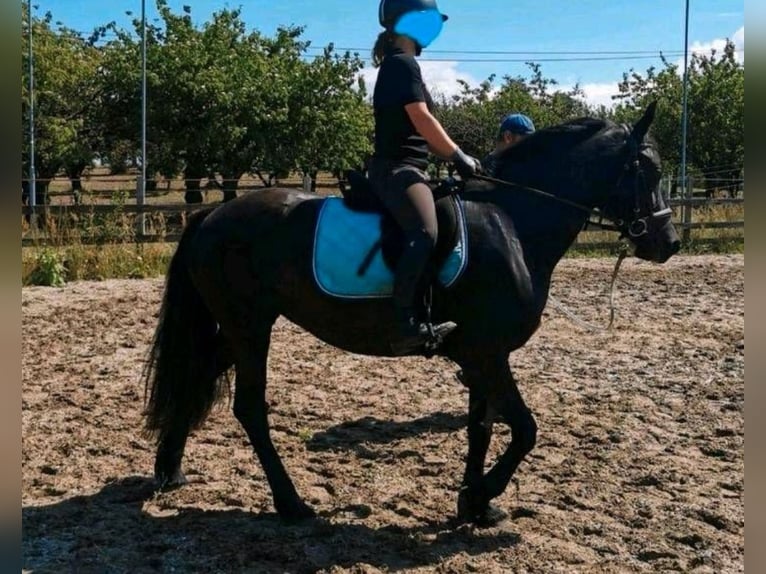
(440, 77)
(600, 94)
(739, 40)
(718, 44)
(369, 74)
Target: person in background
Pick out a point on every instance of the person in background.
(513, 129)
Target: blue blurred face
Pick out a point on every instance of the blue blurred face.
(423, 27)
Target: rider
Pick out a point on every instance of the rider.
(513, 129)
(405, 131)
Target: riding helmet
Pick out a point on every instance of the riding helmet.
(390, 10)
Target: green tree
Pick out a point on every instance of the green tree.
(67, 135)
(717, 117)
(716, 112)
(329, 120)
(636, 91)
(473, 116)
(225, 102)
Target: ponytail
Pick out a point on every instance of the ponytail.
(382, 44)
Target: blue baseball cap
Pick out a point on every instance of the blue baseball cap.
(517, 124)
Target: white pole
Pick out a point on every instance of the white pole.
(684, 113)
(32, 174)
(141, 188)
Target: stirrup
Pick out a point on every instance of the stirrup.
(427, 341)
(437, 334)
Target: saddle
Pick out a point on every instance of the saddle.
(357, 243)
(359, 195)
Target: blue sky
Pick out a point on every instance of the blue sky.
(591, 27)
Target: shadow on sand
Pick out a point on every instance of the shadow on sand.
(110, 531)
(350, 435)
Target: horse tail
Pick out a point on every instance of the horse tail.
(181, 381)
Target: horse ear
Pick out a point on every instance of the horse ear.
(641, 127)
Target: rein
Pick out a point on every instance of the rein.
(589, 210)
(583, 323)
(605, 226)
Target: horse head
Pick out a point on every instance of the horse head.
(636, 205)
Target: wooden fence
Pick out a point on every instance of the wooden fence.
(684, 221)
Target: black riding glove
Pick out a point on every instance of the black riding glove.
(466, 165)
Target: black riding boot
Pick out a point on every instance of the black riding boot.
(413, 333)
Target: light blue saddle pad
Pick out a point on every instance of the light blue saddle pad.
(344, 239)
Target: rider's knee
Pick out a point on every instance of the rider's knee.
(424, 237)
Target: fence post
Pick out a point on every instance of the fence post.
(686, 219)
(141, 200)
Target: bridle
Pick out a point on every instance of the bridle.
(639, 226)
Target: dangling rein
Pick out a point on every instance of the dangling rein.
(583, 323)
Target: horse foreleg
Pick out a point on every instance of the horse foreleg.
(251, 411)
(503, 393)
(523, 437)
(479, 436)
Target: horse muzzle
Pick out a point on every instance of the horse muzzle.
(654, 236)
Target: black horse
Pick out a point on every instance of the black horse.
(243, 264)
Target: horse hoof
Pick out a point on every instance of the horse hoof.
(492, 516)
(167, 482)
(469, 505)
(477, 510)
(296, 513)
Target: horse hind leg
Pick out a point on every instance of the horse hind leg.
(250, 409)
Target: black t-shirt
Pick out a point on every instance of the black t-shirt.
(399, 83)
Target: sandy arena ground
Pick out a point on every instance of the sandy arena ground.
(639, 465)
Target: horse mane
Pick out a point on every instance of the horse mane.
(562, 136)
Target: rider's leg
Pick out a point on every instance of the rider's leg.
(411, 202)
(416, 214)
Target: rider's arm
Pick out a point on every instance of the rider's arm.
(432, 131)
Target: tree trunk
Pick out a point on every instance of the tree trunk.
(193, 193)
(313, 175)
(270, 182)
(77, 190)
(41, 191)
(75, 171)
(192, 179)
(41, 200)
(230, 186)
